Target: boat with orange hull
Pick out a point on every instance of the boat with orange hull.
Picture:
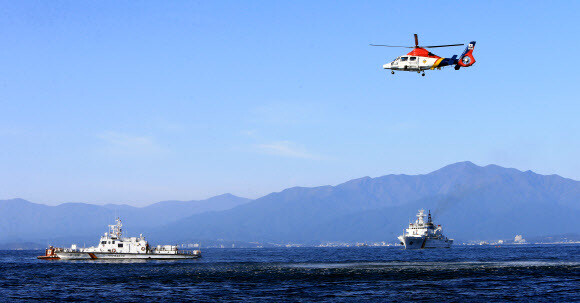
(50, 254)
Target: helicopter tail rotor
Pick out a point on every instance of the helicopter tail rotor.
(466, 59)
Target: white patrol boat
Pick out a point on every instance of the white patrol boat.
(114, 246)
(424, 235)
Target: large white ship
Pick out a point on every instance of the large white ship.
(423, 234)
(114, 246)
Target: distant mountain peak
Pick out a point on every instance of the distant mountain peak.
(468, 163)
(358, 181)
(458, 169)
(226, 195)
(461, 165)
(16, 201)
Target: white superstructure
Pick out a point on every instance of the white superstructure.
(114, 246)
(423, 234)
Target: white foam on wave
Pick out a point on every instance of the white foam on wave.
(461, 264)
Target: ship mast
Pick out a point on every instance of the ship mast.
(429, 221)
(116, 230)
(421, 217)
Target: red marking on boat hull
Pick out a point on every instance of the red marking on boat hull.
(48, 258)
(92, 256)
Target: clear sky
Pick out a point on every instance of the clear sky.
(140, 101)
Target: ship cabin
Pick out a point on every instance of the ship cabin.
(422, 228)
(114, 242)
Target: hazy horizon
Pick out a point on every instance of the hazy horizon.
(147, 203)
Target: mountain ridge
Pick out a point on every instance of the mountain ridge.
(22, 220)
(470, 201)
(463, 187)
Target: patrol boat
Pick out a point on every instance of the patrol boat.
(114, 246)
(423, 234)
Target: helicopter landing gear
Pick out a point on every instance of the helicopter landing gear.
(423, 74)
(392, 72)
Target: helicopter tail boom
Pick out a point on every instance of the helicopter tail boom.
(441, 62)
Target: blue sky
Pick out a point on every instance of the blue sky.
(137, 102)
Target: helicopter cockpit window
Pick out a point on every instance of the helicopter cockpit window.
(412, 58)
(403, 59)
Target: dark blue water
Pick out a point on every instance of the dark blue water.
(543, 273)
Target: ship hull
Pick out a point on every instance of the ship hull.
(123, 256)
(48, 257)
(424, 242)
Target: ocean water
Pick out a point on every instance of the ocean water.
(523, 273)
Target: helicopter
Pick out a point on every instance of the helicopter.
(419, 59)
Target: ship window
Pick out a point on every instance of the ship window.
(412, 58)
(103, 242)
(403, 59)
(120, 245)
(113, 242)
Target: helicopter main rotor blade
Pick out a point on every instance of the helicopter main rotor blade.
(391, 45)
(434, 46)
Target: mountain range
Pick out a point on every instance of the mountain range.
(470, 202)
(21, 220)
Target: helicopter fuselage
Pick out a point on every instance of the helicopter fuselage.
(419, 59)
(412, 63)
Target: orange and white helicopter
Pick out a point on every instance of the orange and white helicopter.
(419, 59)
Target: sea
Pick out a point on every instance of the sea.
(507, 273)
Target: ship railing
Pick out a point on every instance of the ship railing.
(69, 250)
(188, 252)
